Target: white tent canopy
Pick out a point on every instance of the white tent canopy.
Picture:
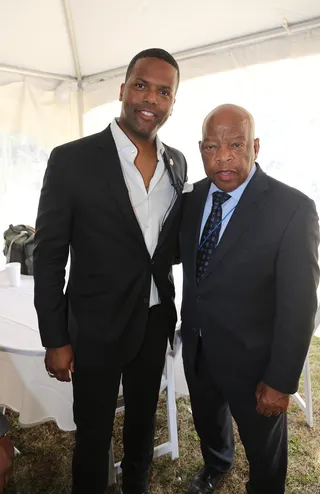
(78, 38)
(60, 58)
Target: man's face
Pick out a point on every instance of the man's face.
(228, 150)
(148, 97)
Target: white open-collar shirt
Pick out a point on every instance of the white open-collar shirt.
(151, 206)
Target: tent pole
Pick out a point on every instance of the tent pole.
(76, 62)
(80, 105)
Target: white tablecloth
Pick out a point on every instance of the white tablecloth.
(24, 383)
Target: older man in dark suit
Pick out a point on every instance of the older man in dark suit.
(249, 249)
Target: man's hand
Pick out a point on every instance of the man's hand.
(6, 461)
(59, 362)
(270, 401)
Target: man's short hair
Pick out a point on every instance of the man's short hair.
(153, 53)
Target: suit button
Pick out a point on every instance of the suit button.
(194, 330)
(198, 298)
(152, 261)
(146, 300)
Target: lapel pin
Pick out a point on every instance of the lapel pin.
(171, 161)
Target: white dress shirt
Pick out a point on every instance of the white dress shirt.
(151, 206)
(228, 207)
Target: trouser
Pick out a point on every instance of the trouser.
(96, 382)
(264, 438)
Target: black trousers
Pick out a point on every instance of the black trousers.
(264, 438)
(95, 386)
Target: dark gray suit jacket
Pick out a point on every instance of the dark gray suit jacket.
(257, 301)
(85, 205)
(4, 425)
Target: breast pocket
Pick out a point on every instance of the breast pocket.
(256, 252)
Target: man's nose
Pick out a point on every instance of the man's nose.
(223, 154)
(151, 97)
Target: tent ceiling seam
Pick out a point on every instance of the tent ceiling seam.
(284, 30)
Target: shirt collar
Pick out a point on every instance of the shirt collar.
(122, 141)
(236, 193)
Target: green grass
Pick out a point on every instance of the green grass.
(45, 462)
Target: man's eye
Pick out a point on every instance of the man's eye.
(210, 146)
(139, 85)
(164, 92)
(236, 145)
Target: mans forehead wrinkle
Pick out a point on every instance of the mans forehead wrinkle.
(236, 131)
(218, 124)
(215, 137)
(229, 125)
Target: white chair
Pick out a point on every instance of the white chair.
(167, 385)
(306, 404)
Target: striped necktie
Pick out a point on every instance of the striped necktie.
(213, 223)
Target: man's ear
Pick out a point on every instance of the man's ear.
(121, 91)
(256, 146)
(172, 108)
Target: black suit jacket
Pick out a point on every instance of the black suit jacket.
(85, 205)
(257, 301)
(4, 425)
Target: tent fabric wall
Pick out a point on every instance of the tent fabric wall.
(39, 108)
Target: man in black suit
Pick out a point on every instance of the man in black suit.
(114, 199)
(249, 250)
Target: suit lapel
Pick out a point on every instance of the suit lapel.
(177, 183)
(242, 216)
(110, 162)
(175, 178)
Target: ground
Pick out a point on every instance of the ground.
(44, 465)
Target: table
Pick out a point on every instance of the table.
(25, 386)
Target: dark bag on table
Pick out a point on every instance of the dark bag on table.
(19, 246)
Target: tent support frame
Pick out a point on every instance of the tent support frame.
(283, 31)
(76, 63)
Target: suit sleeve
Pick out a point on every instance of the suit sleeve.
(52, 239)
(297, 277)
(177, 257)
